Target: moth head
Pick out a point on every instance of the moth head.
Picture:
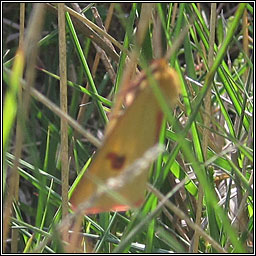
(168, 80)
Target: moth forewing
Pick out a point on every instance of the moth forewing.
(129, 135)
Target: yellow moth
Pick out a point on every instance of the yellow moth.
(128, 136)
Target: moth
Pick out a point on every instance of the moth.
(127, 137)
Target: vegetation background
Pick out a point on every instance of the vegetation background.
(212, 211)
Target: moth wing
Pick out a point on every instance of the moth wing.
(134, 132)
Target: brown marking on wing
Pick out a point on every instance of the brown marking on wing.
(117, 161)
(159, 119)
